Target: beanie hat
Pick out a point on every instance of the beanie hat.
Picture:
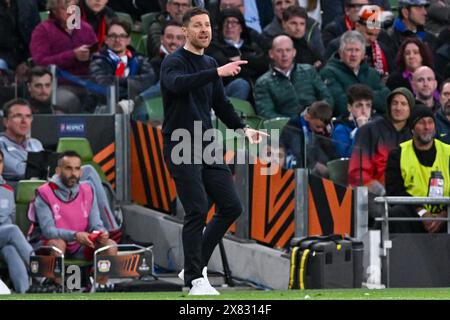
(235, 13)
(418, 112)
(406, 93)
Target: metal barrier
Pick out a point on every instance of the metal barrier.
(386, 244)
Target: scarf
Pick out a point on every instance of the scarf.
(101, 32)
(120, 66)
(349, 24)
(379, 61)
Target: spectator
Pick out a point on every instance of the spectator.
(408, 173)
(442, 54)
(39, 87)
(277, 92)
(251, 16)
(360, 99)
(378, 53)
(294, 25)
(273, 29)
(333, 9)
(438, 16)
(14, 248)
(343, 23)
(234, 43)
(412, 16)
(136, 8)
(376, 139)
(56, 41)
(66, 213)
(306, 138)
(119, 61)
(16, 142)
(98, 15)
(351, 68)
(424, 86)
(18, 18)
(443, 114)
(175, 9)
(411, 55)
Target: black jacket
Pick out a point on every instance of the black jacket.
(102, 71)
(16, 27)
(94, 19)
(333, 30)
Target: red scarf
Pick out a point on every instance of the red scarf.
(379, 62)
(121, 66)
(101, 32)
(349, 24)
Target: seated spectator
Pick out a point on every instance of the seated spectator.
(424, 86)
(273, 29)
(234, 43)
(98, 15)
(57, 42)
(351, 68)
(306, 138)
(333, 9)
(175, 9)
(251, 16)
(360, 98)
(294, 25)
(39, 87)
(66, 213)
(442, 54)
(438, 16)
(18, 18)
(412, 16)
(378, 53)
(443, 114)
(343, 23)
(376, 139)
(287, 88)
(16, 142)
(412, 54)
(119, 61)
(408, 173)
(14, 248)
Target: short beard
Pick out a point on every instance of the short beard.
(447, 108)
(424, 139)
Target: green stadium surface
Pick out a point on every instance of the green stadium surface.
(350, 294)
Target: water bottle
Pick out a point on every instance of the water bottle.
(436, 185)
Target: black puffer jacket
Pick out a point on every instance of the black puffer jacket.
(103, 69)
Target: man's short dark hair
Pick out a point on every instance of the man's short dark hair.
(294, 11)
(321, 110)
(68, 154)
(170, 23)
(38, 71)
(14, 102)
(192, 13)
(358, 92)
(118, 22)
(443, 84)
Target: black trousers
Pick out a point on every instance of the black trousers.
(194, 184)
(405, 211)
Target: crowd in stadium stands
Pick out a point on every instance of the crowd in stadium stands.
(355, 79)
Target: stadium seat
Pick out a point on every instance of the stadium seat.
(83, 148)
(125, 17)
(44, 15)
(155, 108)
(275, 123)
(146, 20)
(26, 190)
(338, 170)
(142, 45)
(242, 106)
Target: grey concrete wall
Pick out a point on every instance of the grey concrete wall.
(252, 262)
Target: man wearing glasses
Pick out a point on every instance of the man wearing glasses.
(343, 23)
(175, 9)
(119, 61)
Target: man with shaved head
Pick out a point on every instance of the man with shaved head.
(287, 88)
(424, 85)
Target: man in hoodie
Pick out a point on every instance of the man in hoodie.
(14, 248)
(119, 61)
(66, 213)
